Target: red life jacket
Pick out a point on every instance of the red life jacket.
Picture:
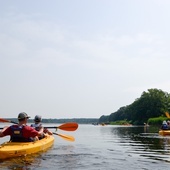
(17, 134)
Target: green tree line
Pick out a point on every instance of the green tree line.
(152, 103)
(78, 120)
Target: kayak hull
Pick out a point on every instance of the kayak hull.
(16, 149)
(164, 132)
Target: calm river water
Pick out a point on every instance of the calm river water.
(100, 147)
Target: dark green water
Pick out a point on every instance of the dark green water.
(101, 147)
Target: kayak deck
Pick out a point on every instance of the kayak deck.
(164, 132)
(16, 149)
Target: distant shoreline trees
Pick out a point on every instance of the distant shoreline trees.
(78, 120)
(152, 103)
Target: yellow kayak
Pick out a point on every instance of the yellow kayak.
(164, 132)
(16, 149)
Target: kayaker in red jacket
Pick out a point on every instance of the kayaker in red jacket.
(21, 132)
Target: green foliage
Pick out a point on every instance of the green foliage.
(103, 119)
(152, 103)
(157, 120)
(78, 120)
(121, 122)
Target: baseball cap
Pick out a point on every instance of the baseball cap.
(37, 118)
(23, 115)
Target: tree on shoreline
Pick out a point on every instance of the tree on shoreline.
(152, 103)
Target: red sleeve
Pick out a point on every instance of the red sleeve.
(7, 131)
(29, 132)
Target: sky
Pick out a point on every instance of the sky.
(81, 58)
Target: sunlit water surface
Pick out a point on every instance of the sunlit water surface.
(100, 147)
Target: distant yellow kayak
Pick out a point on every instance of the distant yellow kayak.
(164, 132)
(16, 149)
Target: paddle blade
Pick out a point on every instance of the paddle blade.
(9, 121)
(4, 120)
(66, 137)
(167, 114)
(71, 126)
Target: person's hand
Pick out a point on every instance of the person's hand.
(45, 135)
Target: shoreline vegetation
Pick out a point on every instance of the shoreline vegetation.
(95, 121)
(50, 120)
(152, 108)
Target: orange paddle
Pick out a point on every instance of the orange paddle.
(70, 126)
(5, 121)
(167, 114)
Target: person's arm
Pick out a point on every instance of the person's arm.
(4, 131)
(1, 134)
(31, 132)
(47, 131)
(41, 130)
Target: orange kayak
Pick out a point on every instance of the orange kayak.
(164, 132)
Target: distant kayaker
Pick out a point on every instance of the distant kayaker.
(164, 125)
(21, 132)
(168, 124)
(38, 125)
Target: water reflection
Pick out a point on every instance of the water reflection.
(144, 142)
